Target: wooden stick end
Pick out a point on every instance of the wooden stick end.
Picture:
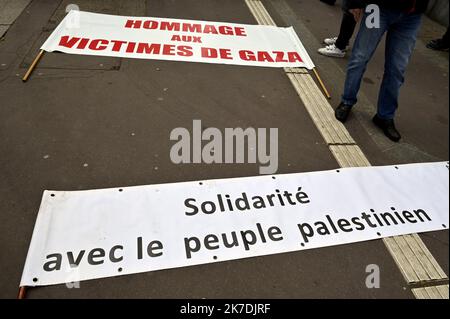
(22, 292)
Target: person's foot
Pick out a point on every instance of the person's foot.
(342, 112)
(388, 128)
(332, 51)
(330, 41)
(438, 45)
(329, 2)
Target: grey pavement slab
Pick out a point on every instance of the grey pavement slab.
(11, 9)
(3, 29)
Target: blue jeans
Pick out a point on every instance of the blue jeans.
(401, 29)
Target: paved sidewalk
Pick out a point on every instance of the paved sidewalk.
(96, 122)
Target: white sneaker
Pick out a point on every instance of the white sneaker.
(330, 41)
(332, 51)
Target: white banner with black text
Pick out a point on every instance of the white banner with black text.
(81, 235)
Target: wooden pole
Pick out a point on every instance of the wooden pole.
(22, 292)
(321, 84)
(33, 65)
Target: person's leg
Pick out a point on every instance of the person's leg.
(365, 44)
(336, 46)
(348, 26)
(400, 41)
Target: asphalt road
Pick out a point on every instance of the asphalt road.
(96, 122)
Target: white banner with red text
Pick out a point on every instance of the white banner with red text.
(178, 40)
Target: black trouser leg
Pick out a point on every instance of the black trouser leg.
(348, 26)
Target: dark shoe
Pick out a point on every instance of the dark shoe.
(438, 45)
(342, 112)
(388, 128)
